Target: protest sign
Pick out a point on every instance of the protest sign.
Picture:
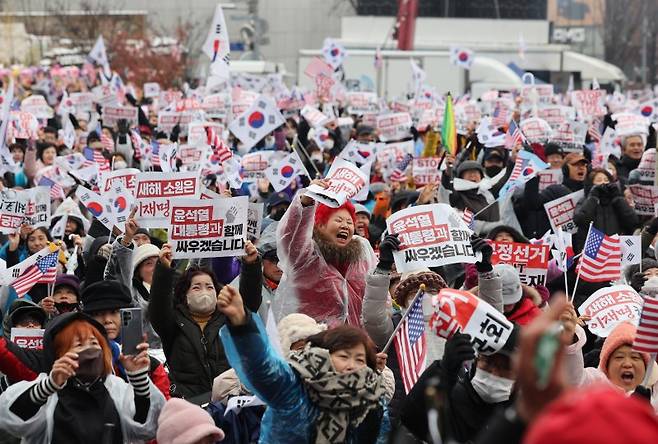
(83, 101)
(345, 181)
(30, 338)
(106, 94)
(168, 97)
(611, 306)
(393, 126)
(426, 170)
(359, 152)
(208, 228)
(38, 107)
(561, 210)
(127, 177)
(192, 157)
(254, 165)
(530, 260)
(151, 89)
(254, 220)
(168, 119)
(536, 130)
(456, 310)
(154, 192)
(430, 236)
(548, 178)
(390, 154)
(645, 198)
(629, 124)
(570, 135)
(646, 170)
(112, 114)
(556, 114)
(37, 213)
(13, 207)
(216, 106)
(24, 125)
(313, 116)
(362, 102)
(589, 103)
(196, 131)
(536, 95)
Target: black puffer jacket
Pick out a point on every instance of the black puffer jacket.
(529, 207)
(194, 357)
(608, 210)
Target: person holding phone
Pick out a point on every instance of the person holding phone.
(77, 398)
(103, 301)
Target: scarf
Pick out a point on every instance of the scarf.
(344, 399)
(339, 257)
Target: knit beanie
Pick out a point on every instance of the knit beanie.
(512, 291)
(144, 252)
(410, 283)
(622, 334)
(181, 422)
(295, 327)
(598, 414)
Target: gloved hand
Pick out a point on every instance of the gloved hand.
(457, 350)
(611, 189)
(486, 249)
(122, 125)
(643, 393)
(637, 281)
(596, 191)
(390, 244)
(652, 227)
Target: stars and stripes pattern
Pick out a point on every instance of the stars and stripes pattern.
(137, 142)
(646, 338)
(107, 142)
(411, 345)
(514, 136)
(594, 131)
(41, 271)
(500, 116)
(56, 190)
(96, 157)
(155, 153)
(398, 174)
(219, 149)
(601, 259)
(468, 218)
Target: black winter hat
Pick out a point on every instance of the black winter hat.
(105, 295)
(468, 165)
(518, 237)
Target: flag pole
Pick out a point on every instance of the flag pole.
(573, 295)
(420, 292)
(299, 144)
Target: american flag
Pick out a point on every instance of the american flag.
(514, 136)
(220, 150)
(137, 142)
(499, 116)
(601, 259)
(467, 217)
(56, 190)
(155, 153)
(646, 338)
(594, 130)
(35, 274)
(398, 173)
(97, 157)
(107, 142)
(411, 345)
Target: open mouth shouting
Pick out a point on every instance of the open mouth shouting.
(343, 237)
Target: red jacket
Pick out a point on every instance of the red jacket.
(524, 312)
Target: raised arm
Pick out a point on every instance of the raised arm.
(249, 352)
(161, 304)
(251, 278)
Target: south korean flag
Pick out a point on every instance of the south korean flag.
(631, 250)
(334, 53)
(258, 121)
(285, 171)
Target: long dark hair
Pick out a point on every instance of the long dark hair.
(185, 282)
(345, 336)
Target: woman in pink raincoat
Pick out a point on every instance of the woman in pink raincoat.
(324, 263)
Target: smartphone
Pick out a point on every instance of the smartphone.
(132, 330)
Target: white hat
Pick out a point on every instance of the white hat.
(295, 327)
(512, 291)
(144, 252)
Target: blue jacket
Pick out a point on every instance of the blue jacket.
(290, 415)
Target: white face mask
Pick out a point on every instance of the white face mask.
(201, 303)
(328, 144)
(491, 388)
(120, 164)
(269, 141)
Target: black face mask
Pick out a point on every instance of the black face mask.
(66, 307)
(90, 365)
(493, 170)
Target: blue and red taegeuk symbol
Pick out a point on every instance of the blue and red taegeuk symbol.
(256, 119)
(120, 204)
(463, 56)
(528, 171)
(287, 171)
(335, 52)
(647, 110)
(95, 208)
